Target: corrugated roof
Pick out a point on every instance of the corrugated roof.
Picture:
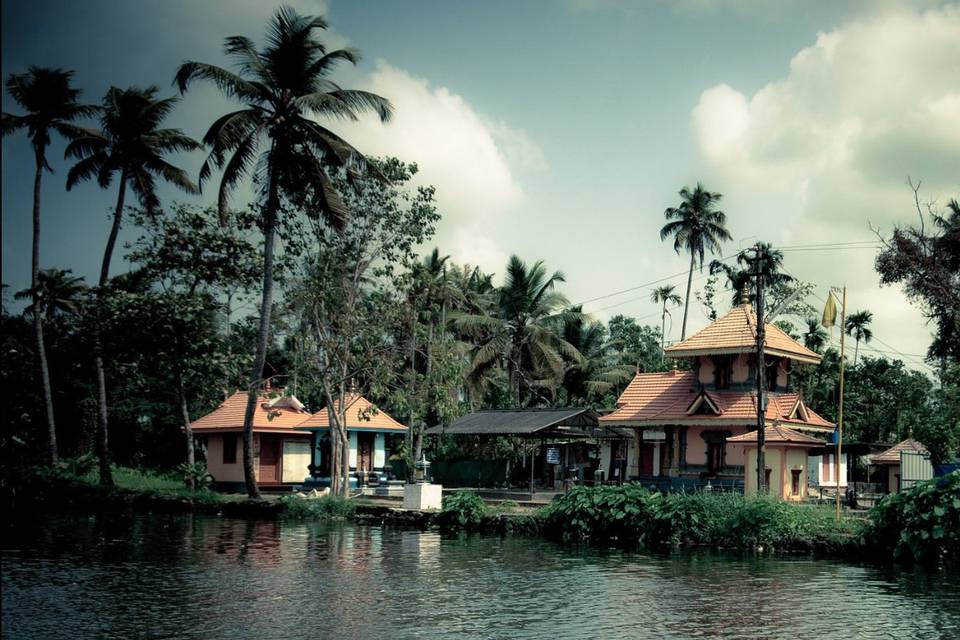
(892, 455)
(570, 421)
(277, 414)
(778, 434)
(361, 414)
(736, 332)
(653, 399)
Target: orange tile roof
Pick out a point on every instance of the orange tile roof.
(654, 399)
(361, 414)
(275, 415)
(736, 332)
(892, 455)
(778, 434)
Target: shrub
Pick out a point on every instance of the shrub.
(462, 510)
(322, 508)
(921, 524)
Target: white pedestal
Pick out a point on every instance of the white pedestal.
(422, 496)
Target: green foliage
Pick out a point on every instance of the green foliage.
(462, 510)
(921, 524)
(322, 508)
(195, 475)
(632, 513)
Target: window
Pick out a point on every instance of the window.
(795, 482)
(229, 448)
(722, 372)
(715, 457)
(771, 373)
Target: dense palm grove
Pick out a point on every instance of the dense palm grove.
(122, 365)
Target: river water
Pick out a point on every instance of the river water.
(205, 577)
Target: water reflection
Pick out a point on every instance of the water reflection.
(204, 577)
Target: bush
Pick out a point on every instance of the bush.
(322, 508)
(921, 524)
(462, 510)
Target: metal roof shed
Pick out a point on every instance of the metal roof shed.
(576, 422)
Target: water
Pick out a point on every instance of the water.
(206, 577)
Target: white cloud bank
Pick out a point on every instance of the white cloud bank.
(866, 105)
(471, 159)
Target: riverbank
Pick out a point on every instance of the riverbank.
(919, 525)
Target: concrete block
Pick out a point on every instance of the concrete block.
(422, 496)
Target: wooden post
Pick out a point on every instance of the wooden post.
(761, 366)
(843, 332)
(533, 463)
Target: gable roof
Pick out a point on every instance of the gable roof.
(656, 399)
(779, 435)
(577, 421)
(274, 415)
(361, 415)
(736, 332)
(892, 455)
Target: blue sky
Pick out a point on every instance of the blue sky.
(561, 130)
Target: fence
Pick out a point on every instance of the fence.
(914, 467)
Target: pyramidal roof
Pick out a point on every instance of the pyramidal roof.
(736, 332)
(360, 414)
(778, 434)
(892, 455)
(272, 414)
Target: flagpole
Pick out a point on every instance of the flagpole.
(843, 332)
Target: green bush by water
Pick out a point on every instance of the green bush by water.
(921, 524)
(631, 513)
(462, 510)
(322, 508)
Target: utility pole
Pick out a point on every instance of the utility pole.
(843, 331)
(761, 366)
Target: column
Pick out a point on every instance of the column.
(656, 458)
(352, 435)
(379, 451)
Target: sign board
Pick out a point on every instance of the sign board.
(653, 434)
(553, 455)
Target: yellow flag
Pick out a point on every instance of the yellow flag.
(829, 312)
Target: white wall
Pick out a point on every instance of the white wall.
(379, 451)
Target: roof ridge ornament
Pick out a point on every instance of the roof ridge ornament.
(745, 294)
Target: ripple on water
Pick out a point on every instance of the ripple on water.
(204, 577)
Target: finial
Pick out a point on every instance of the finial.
(745, 294)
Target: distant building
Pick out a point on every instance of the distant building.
(682, 421)
(890, 463)
(786, 456)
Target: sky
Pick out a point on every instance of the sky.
(560, 131)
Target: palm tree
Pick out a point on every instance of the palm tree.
(281, 86)
(58, 293)
(695, 226)
(130, 144)
(521, 330)
(857, 326)
(51, 105)
(595, 373)
(815, 337)
(664, 295)
(740, 277)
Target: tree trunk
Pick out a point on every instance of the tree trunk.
(187, 431)
(663, 333)
(263, 338)
(103, 439)
(686, 303)
(411, 397)
(418, 441)
(38, 318)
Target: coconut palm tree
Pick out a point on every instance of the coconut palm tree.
(283, 88)
(857, 326)
(741, 276)
(815, 337)
(131, 145)
(696, 227)
(58, 293)
(664, 295)
(51, 105)
(595, 373)
(521, 331)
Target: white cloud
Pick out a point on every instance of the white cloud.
(471, 159)
(817, 154)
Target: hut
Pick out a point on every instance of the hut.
(889, 463)
(786, 455)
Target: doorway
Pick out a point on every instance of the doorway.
(365, 451)
(270, 466)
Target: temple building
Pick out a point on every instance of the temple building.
(682, 420)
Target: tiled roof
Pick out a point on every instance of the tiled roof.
(666, 398)
(736, 332)
(361, 414)
(892, 455)
(278, 414)
(778, 434)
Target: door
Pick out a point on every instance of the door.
(365, 451)
(714, 458)
(269, 458)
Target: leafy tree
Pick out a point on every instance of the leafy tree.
(815, 336)
(858, 326)
(51, 105)
(696, 226)
(925, 259)
(664, 295)
(281, 87)
(521, 331)
(130, 144)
